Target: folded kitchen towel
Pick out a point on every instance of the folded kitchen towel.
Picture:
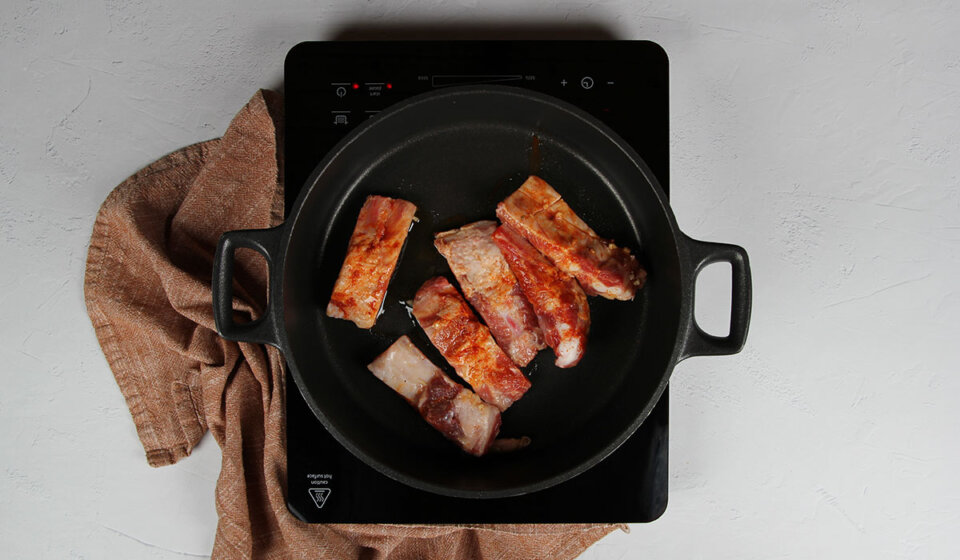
(147, 289)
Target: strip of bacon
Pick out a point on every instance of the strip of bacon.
(372, 256)
(540, 215)
(455, 411)
(466, 344)
(491, 288)
(559, 302)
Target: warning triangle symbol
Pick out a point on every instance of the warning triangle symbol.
(319, 496)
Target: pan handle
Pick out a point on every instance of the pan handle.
(697, 342)
(267, 243)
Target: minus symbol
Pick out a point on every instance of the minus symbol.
(609, 83)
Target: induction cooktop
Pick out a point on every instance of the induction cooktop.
(330, 88)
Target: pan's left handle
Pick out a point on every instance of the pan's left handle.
(696, 341)
(267, 243)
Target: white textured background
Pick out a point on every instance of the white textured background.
(822, 136)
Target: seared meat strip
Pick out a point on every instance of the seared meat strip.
(455, 411)
(466, 343)
(557, 299)
(372, 255)
(491, 288)
(538, 213)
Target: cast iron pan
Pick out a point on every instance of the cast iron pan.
(456, 153)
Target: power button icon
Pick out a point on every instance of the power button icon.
(586, 82)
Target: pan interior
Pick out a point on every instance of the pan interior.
(455, 161)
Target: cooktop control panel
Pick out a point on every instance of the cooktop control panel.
(333, 87)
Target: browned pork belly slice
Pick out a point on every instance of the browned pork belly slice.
(537, 212)
(455, 411)
(372, 256)
(559, 302)
(491, 288)
(467, 344)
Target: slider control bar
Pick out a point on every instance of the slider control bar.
(443, 80)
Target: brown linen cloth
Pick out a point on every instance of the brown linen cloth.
(147, 290)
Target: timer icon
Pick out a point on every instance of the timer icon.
(586, 82)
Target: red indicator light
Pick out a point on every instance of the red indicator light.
(389, 86)
(356, 86)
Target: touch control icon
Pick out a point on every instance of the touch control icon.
(319, 496)
(586, 82)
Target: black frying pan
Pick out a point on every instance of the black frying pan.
(455, 153)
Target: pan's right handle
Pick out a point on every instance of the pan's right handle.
(267, 243)
(697, 342)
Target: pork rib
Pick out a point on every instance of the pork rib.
(538, 213)
(557, 299)
(372, 255)
(491, 288)
(467, 344)
(455, 411)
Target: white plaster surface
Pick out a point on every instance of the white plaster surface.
(823, 136)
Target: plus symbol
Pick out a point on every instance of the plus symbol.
(563, 82)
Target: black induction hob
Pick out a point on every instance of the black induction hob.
(329, 88)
